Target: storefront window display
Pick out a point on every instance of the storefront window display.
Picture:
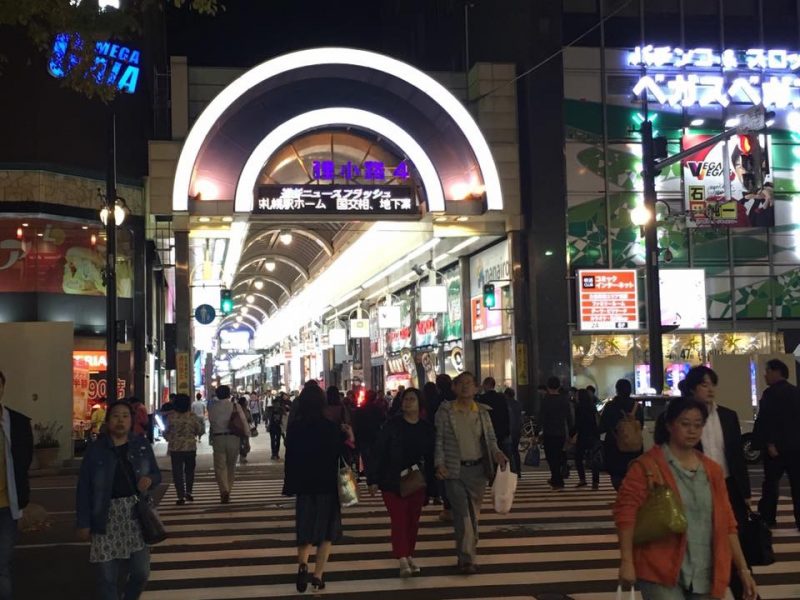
(600, 360)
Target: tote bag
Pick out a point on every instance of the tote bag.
(347, 485)
(503, 489)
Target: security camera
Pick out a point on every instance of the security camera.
(668, 256)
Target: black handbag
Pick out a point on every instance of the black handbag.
(153, 530)
(756, 540)
(596, 457)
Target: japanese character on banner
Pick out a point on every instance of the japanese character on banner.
(374, 169)
(324, 169)
(349, 171)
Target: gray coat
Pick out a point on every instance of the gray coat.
(447, 452)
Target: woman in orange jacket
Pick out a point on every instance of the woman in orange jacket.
(694, 565)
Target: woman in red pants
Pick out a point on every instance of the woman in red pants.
(402, 468)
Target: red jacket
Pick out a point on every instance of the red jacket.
(660, 561)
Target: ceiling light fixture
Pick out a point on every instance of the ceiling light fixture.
(227, 219)
(250, 298)
(285, 237)
(462, 218)
(244, 310)
(441, 219)
(204, 219)
(270, 264)
(697, 122)
(464, 244)
(258, 284)
(239, 318)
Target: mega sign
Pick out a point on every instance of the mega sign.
(371, 169)
(377, 201)
(114, 64)
(700, 76)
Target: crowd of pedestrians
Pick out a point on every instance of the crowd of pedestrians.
(440, 445)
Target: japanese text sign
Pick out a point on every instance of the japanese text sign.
(607, 299)
(378, 202)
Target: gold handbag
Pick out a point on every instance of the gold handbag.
(661, 514)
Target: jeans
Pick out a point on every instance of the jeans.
(183, 464)
(8, 536)
(554, 453)
(655, 591)
(226, 449)
(275, 442)
(404, 514)
(138, 566)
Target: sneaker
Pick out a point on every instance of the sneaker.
(415, 570)
(180, 502)
(446, 516)
(405, 568)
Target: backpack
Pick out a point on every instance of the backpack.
(629, 432)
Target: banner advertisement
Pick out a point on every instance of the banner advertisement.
(490, 266)
(704, 176)
(683, 298)
(58, 258)
(182, 370)
(400, 338)
(607, 299)
(451, 328)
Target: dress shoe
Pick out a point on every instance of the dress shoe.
(189, 498)
(318, 584)
(302, 578)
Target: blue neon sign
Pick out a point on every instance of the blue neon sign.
(114, 64)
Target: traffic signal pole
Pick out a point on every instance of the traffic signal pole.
(754, 120)
(651, 263)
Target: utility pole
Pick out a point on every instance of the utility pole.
(651, 263)
(751, 121)
(111, 261)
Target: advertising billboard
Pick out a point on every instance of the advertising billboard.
(607, 299)
(683, 298)
(490, 266)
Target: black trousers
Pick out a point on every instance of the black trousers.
(774, 468)
(581, 450)
(183, 464)
(275, 442)
(554, 453)
(739, 506)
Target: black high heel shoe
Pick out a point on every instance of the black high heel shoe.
(318, 584)
(302, 578)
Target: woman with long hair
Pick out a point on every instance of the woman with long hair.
(695, 564)
(587, 437)
(314, 446)
(402, 468)
(117, 467)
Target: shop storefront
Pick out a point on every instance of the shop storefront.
(726, 215)
(492, 327)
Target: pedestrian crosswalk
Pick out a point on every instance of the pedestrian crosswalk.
(551, 542)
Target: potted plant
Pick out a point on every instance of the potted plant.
(46, 446)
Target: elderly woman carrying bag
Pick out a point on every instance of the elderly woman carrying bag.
(677, 532)
(116, 468)
(402, 468)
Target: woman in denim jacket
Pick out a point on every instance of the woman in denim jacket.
(115, 469)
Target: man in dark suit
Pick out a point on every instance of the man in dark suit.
(776, 433)
(722, 442)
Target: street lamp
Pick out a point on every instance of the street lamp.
(120, 212)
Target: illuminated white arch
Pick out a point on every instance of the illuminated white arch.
(323, 117)
(327, 56)
(308, 233)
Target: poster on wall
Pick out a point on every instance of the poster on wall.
(607, 299)
(451, 320)
(490, 266)
(58, 258)
(704, 176)
(399, 338)
(683, 298)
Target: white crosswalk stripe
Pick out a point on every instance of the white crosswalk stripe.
(559, 542)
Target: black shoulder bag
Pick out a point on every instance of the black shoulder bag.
(153, 530)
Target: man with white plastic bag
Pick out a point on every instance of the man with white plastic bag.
(503, 489)
(465, 456)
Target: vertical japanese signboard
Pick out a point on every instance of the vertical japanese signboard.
(607, 299)
(182, 370)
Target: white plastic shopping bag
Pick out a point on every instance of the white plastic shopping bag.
(622, 595)
(503, 488)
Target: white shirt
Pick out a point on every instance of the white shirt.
(713, 441)
(199, 408)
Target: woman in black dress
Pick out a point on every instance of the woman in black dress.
(314, 446)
